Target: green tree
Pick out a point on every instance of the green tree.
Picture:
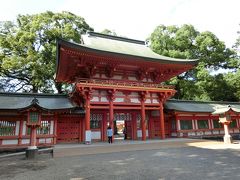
(187, 43)
(28, 49)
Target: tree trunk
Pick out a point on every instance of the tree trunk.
(59, 87)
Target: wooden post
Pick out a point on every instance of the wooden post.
(143, 115)
(80, 130)
(20, 132)
(55, 129)
(143, 118)
(162, 127)
(111, 97)
(87, 122)
(33, 137)
(134, 128)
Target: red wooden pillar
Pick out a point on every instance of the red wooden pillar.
(134, 128)
(20, 132)
(111, 97)
(33, 137)
(162, 126)
(104, 128)
(143, 115)
(80, 130)
(55, 129)
(87, 121)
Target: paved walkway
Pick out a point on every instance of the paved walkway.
(175, 159)
(63, 150)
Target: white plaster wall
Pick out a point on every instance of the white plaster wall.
(51, 127)
(208, 133)
(117, 77)
(155, 101)
(96, 135)
(148, 101)
(236, 130)
(24, 128)
(134, 94)
(45, 140)
(104, 76)
(8, 142)
(174, 134)
(119, 100)
(104, 99)
(180, 134)
(215, 132)
(95, 99)
(25, 141)
(97, 75)
(191, 134)
(132, 78)
(102, 92)
(49, 140)
(135, 100)
(119, 93)
(200, 133)
(17, 128)
(139, 133)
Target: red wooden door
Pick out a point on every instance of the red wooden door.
(156, 128)
(68, 129)
(128, 125)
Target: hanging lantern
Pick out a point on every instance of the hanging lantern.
(34, 118)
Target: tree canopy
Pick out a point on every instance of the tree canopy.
(200, 83)
(28, 49)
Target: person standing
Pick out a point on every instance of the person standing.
(125, 133)
(109, 134)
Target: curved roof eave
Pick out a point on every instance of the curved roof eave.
(160, 59)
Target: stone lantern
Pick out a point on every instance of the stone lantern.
(33, 112)
(225, 118)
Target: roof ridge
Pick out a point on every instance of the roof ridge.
(204, 102)
(30, 94)
(91, 33)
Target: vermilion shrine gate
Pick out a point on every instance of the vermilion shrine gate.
(118, 78)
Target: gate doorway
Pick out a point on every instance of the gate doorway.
(123, 123)
(68, 130)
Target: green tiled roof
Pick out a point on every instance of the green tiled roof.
(122, 46)
(198, 106)
(12, 101)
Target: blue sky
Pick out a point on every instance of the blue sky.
(138, 18)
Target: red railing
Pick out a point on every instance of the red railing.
(102, 82)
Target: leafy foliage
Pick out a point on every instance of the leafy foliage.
(198, 84)
(28, 49)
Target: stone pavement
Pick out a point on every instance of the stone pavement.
(63, 150)
(180, 159)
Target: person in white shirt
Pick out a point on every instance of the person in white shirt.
(109, 134)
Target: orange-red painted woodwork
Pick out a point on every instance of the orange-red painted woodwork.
(20, 132)
(87, 114)
(111, 116)
(162, 126)
(33, 136)
(68, 129)
(55, 128)
(134, 124)
(143, 121)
